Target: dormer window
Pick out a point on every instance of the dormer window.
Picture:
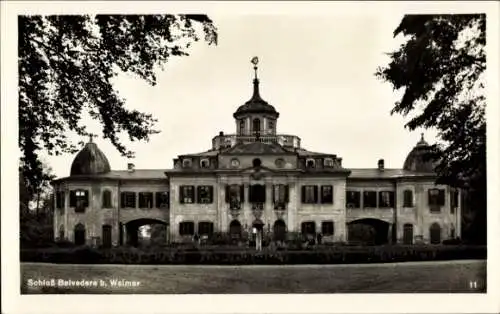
(186, 163)
(256, 125)
(205, 163)
(271, 127)
(310, 163)
(328, 162)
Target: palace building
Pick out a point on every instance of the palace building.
(255, 178)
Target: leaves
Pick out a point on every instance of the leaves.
(441, 70)
(66, 67)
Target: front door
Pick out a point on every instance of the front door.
(408, 234)
(106, 236)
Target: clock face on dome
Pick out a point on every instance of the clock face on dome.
(235, 163)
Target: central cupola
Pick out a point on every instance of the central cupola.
(256, 116)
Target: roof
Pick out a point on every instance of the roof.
(137, 174)
(305, 152)
(208, 153)
(256, 104)
(90, 160)
(257, 148)
(375, 173)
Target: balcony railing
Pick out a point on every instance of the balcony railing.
(280, 205)
(229, 140)
(258, 206)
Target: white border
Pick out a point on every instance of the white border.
(13, 302)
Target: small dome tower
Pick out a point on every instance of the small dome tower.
(90, 160)
(416, 161)
(256, 116)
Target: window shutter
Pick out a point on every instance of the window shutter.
(72, 198)
(122, 199)
(429, 197)
(242, 193)
(287, 197)
(274, 193)
(303, 194)
(332, 195)
(86, 198)
(264, 192)
(181, 194)
(227, 193)
(211, 194)
(441, 200)
(316, 194)
(391, 199)
(198, 194)
(157, 199)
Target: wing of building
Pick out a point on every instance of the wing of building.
(255, 180)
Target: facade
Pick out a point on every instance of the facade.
(255, 180)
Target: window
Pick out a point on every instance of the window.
(235, 163)
(205, 227)
(205, 163)
(369, 199)
(60, 199)
(186, 194)
(280, 163)
(326, 194)
(79, 234)
(436, 199)
(280, 195)
(106, 199)
(186, 228)
(271, 126)
(234, 195)
(308, 227)
(328, 162)
(205, 194)
(386, 199)
(79, 199)
(435, 233)
(310, 163)
(186, 163)
(256, 125)
(327, 228)
(257, 193)
(242, 127)
(162, 199)
(407, 198)
(353, 199)
(145, 200)
(309, 194)
(256, 162)
(128, 200)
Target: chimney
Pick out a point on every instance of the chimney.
(221, 133)
(381, 164)
(130, 167)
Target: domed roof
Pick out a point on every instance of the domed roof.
(415, 160)
(256, 104)
(90, 160)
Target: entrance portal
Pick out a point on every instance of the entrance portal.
(368, 231)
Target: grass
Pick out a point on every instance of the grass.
(430, 277)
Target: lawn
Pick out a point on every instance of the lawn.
(447, 276)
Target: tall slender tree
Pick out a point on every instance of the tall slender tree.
(66, 67)
(440, 68)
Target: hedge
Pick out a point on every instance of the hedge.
(222, 256)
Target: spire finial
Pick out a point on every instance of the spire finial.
(91, 136)
(255, 61)
(422, 136)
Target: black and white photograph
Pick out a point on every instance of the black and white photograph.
(263, 153)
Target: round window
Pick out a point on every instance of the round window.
(235, 163)
(280, 163)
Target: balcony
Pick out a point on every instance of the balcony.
(230, 140)
(258, 206)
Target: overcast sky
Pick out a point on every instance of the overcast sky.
(317, 71)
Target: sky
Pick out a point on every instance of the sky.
(316, 70)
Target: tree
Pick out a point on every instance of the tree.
(440, 68)
(66, 67)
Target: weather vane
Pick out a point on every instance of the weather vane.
(255, 61)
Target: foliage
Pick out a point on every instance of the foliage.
(66, 67)
(220, 256)
(440, 69)
(36, 227)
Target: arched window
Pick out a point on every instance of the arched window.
(106, 236)
(242, 127)
(256, 125)
(235, 229)
(205, 163)
(257, 162)
(270, 126)
(435, 233)
(310, 163)
(79, 234)
(106, 199)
